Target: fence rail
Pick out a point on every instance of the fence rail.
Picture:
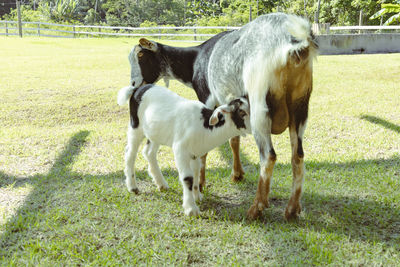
(192, 33)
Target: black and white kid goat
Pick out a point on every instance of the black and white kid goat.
(189, 128)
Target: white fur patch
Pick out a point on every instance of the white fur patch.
(124, 95)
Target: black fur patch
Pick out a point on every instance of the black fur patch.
(181, 60)
(150, 65)
(148, 142)
(206, 115)
(272, 154)
(134, 103)
(270, 100)
(189, 182)
(300, 151)
(190, 65)
(300, 109)
(200, 67)
(237, 118)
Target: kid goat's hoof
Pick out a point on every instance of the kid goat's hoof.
(194, 211)
(163, 187)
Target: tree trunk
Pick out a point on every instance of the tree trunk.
(316, 19)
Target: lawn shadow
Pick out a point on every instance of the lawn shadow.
(360, 218)
(382, 122)
(356, 217)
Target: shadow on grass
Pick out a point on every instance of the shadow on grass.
(360, 218)
(382, 122)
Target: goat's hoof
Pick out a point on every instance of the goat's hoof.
(237, 176)
(292, 212)
(254, 212)
(193, 211)
(163, 187)
(198, 197)
(134, 190)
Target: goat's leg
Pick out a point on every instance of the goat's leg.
(150, 153)
(261, 128)
(293, 208)
(182, 161)
(203, 172)
(237, 170)
(195, 165)
(135, 137)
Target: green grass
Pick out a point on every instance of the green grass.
(63, 200)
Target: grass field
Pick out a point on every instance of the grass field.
(63, 200)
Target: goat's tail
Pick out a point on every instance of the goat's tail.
(267, 71)
(124, 95)
(303, 44)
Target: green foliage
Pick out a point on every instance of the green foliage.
(196, 12)
(61, 10)
(347, 12)
(387, 9)
(27, 14)
(132, 13)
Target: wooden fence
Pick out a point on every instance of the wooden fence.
(44, 29)
(198, 34)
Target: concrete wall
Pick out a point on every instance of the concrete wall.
(374, 43)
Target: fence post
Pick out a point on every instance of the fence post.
(159, 33)
(38, 29)
(195, 32)
(73, 29)
(6, 29)
(19, 18)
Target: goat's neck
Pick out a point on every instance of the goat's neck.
(179, 62)
(219, 135)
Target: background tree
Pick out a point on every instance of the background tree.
(387, 9)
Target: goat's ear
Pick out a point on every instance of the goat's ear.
(214, 119)
(147, 44)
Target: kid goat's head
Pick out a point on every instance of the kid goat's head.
(145, 63)
(238, 111)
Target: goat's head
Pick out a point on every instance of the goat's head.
(145, 63)
(238, 111)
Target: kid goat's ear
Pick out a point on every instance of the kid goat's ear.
(214, 119)
(218, 114)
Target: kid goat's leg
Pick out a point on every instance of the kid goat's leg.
(150, 153)
(135, 137)
(182, 161)
(195, 165)
(203, 172)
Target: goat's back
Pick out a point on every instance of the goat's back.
(165, 116)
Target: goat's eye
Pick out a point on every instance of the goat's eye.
(140, 54)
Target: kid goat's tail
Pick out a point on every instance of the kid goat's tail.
(124, 95)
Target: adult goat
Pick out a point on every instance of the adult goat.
(270, 61)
